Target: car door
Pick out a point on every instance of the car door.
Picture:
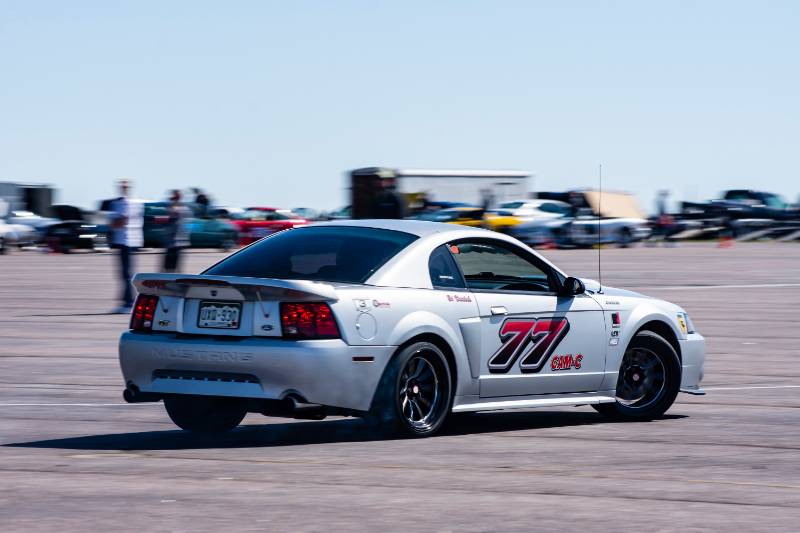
(533, 341)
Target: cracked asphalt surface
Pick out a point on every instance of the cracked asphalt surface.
(74, 457)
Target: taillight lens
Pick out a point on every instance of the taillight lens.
(143, 312)
(308, 321)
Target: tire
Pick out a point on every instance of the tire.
(649, 380)
(414, 395)
(205, 414)
(625, 238)
(228, 244)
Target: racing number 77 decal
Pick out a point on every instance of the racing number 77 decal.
(530, 340)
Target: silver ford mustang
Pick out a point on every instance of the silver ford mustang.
(402, 323)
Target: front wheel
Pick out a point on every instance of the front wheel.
(649, 380)
(205, 414)
(414, 395)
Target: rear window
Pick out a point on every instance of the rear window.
(323, 253)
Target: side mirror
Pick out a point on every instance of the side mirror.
(573, 287)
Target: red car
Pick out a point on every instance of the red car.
(258, 222)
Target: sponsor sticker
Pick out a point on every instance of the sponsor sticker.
(682, 324)
(566, 362)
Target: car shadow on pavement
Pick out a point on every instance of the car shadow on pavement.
(316, 432)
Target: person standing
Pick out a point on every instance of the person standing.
(127, 221)
(177, 237)
(388, 203)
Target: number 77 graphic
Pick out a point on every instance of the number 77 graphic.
(530, 340)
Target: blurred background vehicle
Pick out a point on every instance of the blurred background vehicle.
(19, 235)
(225, 212)
(258, 222)
(204, 231)
(307, 213)
(343, 213)
(617, 217)
(535, 208)
(74, 230)
(744, 214)
(744, 203)
(28, 218)
(511, 214)
(464, 216)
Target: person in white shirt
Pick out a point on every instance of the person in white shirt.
(127, 221)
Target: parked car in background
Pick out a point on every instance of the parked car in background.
(463, 216)
(32, 220)
(16, 235)
(343, 213)
(535, 208)
(74, 230)
(616, 217)
(258, 222)
(204, 232)
(225, 212)
(743, 204)
(307, 213)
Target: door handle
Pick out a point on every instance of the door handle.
(498, 310)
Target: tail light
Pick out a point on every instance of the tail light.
(143, 312)
(308, 321)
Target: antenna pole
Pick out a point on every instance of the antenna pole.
(599, 214)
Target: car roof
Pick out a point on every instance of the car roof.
(420, 228)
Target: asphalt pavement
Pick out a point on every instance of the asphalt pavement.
(74, 457)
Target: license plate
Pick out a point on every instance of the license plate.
(219, 315)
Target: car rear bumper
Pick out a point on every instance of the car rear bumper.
(325, 372)
(693, 351)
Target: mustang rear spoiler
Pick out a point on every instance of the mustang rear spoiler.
(249, 288)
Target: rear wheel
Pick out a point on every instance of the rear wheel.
(414, 394)
(649, 380)
(205, 414)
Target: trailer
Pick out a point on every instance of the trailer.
(34, 197)
(416, 186)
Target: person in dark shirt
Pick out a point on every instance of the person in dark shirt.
(388, 203)
(177, 237)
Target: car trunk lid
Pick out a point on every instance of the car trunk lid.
(226, 305)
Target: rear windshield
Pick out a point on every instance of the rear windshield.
(324, 253)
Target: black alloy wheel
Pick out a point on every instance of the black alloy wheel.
(648, 382)
(415, 392)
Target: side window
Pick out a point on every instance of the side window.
(497, 266)
(443, 270)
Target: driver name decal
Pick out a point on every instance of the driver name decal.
(530, 341)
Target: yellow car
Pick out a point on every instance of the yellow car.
(464, 216)
(500, 221)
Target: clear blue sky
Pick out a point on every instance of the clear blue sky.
(269, 102)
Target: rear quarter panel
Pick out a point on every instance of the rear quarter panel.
(381, 316)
